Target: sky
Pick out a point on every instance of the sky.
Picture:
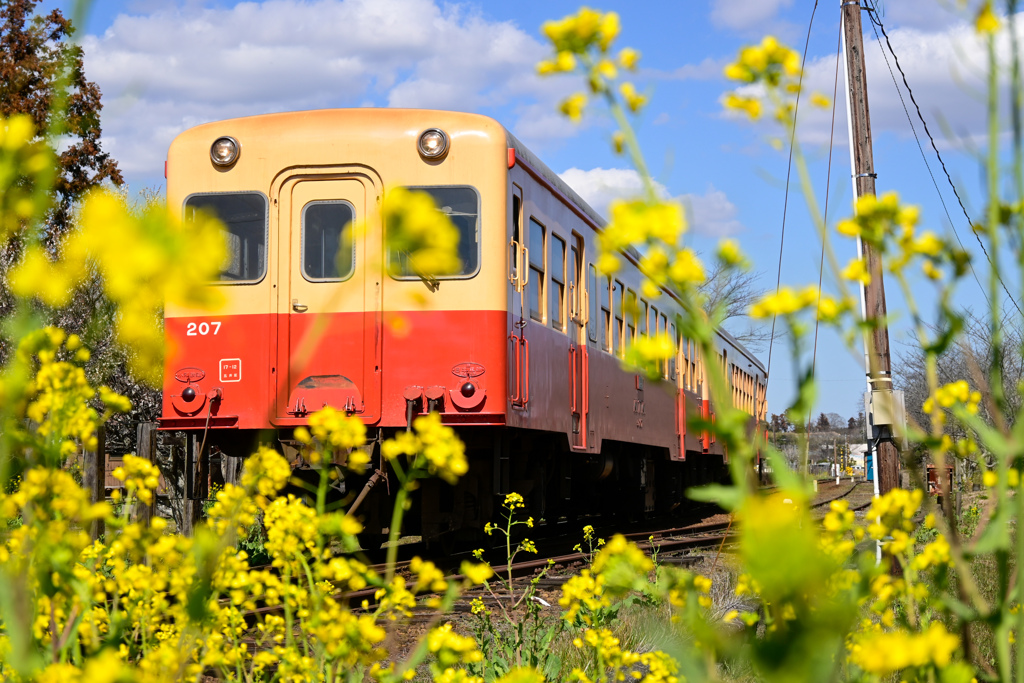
(167, 65)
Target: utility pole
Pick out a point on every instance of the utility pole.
(879, 376)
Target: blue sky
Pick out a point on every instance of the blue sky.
(166, 66)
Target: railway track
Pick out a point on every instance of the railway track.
(669, 540)
(673, 546)
(561, 566)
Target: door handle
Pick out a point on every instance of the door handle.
(297, 307)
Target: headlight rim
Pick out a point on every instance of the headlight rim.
(233, 160)
(440, 154)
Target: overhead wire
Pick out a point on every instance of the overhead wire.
(828, 186)
(785, 203)
(877, 25)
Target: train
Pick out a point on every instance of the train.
(521, 350)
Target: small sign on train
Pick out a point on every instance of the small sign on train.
(230, 369)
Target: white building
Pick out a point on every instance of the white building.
(858, 451)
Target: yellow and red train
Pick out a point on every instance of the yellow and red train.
(521, 350)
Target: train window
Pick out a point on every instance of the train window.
(652, 328)
(244, 215)
(462, 206)
(606, 315)
(642, 314)
(556, 262)
(576, 297)
(684, 358)
(536, 247)
(592, 297)
(618, 329)
(675, 350)
(663, 328)
(691, 364)
(517, 240)
(631, 316)
(328, 251)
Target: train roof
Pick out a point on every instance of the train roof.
(524, 153)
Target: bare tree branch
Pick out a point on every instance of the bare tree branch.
(730, 292)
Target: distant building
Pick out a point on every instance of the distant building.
(858, 452)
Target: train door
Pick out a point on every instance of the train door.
(329, 297)
(518, 277)
(578, 358)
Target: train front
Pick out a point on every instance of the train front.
(317, 311)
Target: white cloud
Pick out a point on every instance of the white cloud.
(599, 187)
(740, 15)
(921, 14)
(945, 69)
(707, 69)
(177, 66)
(711, 214)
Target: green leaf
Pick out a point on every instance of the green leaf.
(553, 667)
(989, 436)
(783, 475)
(958, 608)
(727, 497)
(941, 342)
(996, 535)
(957, 672)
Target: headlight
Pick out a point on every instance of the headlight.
(433, 143)
(224, 151)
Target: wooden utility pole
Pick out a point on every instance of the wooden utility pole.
(873, 294)
(146, 440)
(94, 478)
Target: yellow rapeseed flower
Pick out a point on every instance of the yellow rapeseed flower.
(476, 573)
(986, 22)
(729, 252)
(418, 229)
(786, 301)
(634, 100)
(431, 446)
(750, 105)
(887, 652)
(573, 106)
(857, 270)
(629, 58)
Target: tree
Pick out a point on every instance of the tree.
(729, 293)
(35, 57)
(835, 421)
(970, 357)
(42, 76)
(780, 423)
(822, 425)
(851, 424)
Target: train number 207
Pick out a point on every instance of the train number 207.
(202, 329)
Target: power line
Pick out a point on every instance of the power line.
(828, 187)
(789, 171)
(876, 24)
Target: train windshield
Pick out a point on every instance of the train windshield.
(462, 206)
(244, 215)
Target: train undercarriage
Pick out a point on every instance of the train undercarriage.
(624, 483)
